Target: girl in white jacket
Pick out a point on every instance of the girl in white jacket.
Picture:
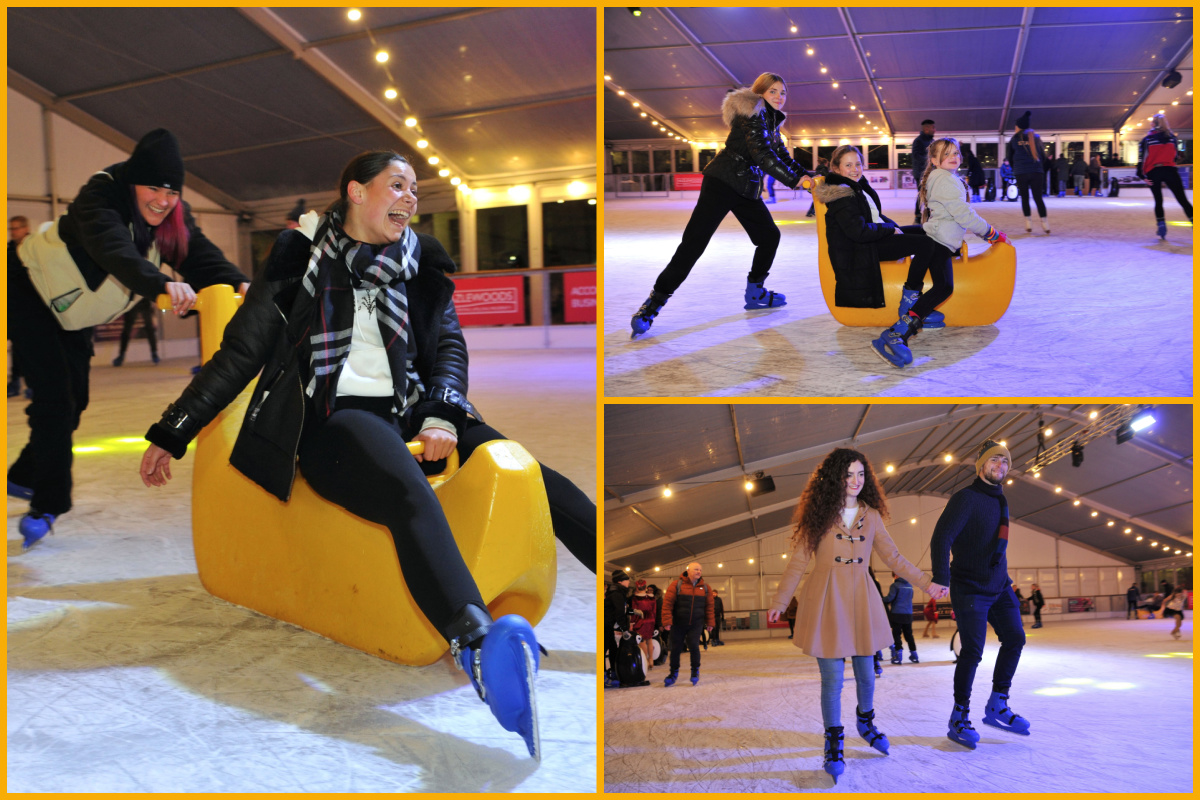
(947, 216)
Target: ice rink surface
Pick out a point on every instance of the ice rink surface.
(1101, 308)
(1109, 701)
(125, 675)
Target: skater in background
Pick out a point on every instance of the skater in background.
(1078, 174)
(790, 613)
(1062, 173)
(616, 620)
(642, 613)
(920, 157)
(859, 236)
(18, 229)
(838, 524)
(1132, 598)
(718, 618)
(1173, 605)
(1094, 170)
(931, 619)
(732, 183)
(1037, 601)
(976, 178)
(689, 608)
(1157, 154)
(900, 596)
(143, 310)
(1027, 156)
(123, 221)
(948, 218)
(974, 528)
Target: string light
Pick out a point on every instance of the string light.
(434, 159)
(666, 491)
(390, 94)
(422, 144)
(354, 14)
(411, 122)
(381, 56)
(443, 173)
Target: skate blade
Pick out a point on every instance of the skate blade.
(535, 742)
(1001, 726)
(890, 363)
(967, 743)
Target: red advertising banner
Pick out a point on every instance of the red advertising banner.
(490, 301)
(579, 296)
(1080, 604)
(688, 181)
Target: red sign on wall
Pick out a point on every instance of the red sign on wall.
(688, 181)
(490, 301)
(579, 296)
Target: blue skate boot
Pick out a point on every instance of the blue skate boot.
(835, 764)
(1162, 229)
(501, 658)
(34, 527)
(999, 715)
(645, 315)
(867, 730)
(672, 676)
(891, 345)
(757, 297)
(908, 298)
(961, 730)
(695, 675)
(17, 490)
(897, 654)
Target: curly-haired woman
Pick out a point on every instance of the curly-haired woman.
(838, 524)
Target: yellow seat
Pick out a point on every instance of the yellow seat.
(983, 285)
(316, 565)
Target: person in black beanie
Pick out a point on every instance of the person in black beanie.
(920, 157)
(616, 619)
(1028, 159)
(125, 222)
(974, 529)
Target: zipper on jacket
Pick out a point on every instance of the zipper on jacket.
(266, 393)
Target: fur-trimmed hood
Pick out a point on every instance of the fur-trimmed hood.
(744, 102)
(828, 192)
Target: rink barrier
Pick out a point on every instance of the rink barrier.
(311, 563)
(983, 285)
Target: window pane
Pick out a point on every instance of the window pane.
(683, 160)
(987, 152)
(877, 156)
(662, 160)
(705, 157)
(568, 233)
(826, 152)
(620, 162)
(503, 238)
(904, 160)
(804, 157)
(442, 226)
(640, 161)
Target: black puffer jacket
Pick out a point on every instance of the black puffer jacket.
(753, 146)
(850, 236)
(96, 232)
(257, 338)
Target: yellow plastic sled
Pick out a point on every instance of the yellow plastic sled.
(316, 565)
(983, 285)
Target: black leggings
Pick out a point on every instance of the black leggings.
(1170, 176)
(941, 272)
(717, 199)
(1027, 182)
(913, 243)
(357, 459)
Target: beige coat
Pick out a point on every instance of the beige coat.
(841, 613)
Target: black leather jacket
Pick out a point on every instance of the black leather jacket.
(257, 339)
(753, 146)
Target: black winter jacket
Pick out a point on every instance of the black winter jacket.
(753, 146)
(920, 154)
(258, 338)
(851, 235)
(96, 232)
(1020, 156)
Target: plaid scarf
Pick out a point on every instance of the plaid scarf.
(336, 267)
(992, 490)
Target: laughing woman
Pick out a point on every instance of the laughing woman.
(359, 320)
(733, 182)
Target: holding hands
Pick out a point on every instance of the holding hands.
(937, 591)
(772, 616)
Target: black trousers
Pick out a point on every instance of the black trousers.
(717, 199)
(1037, 614)
(1027, 183)
(716, 631)
(681, 632)
(142, 310)
(55, 364)
(941, 272)
(913, 242)
(902, 625)
(1170, 176)
(357, 459)
(1131, 609)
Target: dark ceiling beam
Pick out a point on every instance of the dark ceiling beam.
(1018, 57)
(861, 55)
(169, 76)
(282, 142)
(1154, 84)
(573, 96)
(385, 30)
(694, 42)
(109, 134)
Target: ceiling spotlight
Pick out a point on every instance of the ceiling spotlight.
(1129, 530)
(621, 92)
(1076, 454)
(381, 56)
(434, 159)
(411, 122)
(1177, 552)
(1138, 539)
(1009, 481)
(627, 569)
(637, 12)
(809, 51)
(656, 569)
(824, 70)
(1058, 490)
(751, 560)
(637, 104)
(1111, 523)
(422, 144)
(608, 77)
(913, 520)
(949, 458)
(390, 94)
(643, 113)
(835, 85)
(795, 29)
(1037, 474)
(354, 14)
(1095, 513)
(1077, 502)
(1142, 421)
(666, 491)
(890, 468)
(1154, 544)
(785, 554)
(720, 565)
(443, 173)
(455, 181)
(760, 484)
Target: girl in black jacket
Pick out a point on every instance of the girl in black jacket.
(123, 221)
(360, 351)
(859, 236)
(733, 182)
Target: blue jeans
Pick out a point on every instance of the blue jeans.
(974, 613)
(832, 671)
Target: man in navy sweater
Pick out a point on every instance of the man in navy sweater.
(974, 529)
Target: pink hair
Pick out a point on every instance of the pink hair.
(172, 236)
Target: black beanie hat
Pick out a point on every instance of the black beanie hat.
(619, 575)
(1023, 120)
(156, 161)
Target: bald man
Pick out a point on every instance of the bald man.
(688, 608)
